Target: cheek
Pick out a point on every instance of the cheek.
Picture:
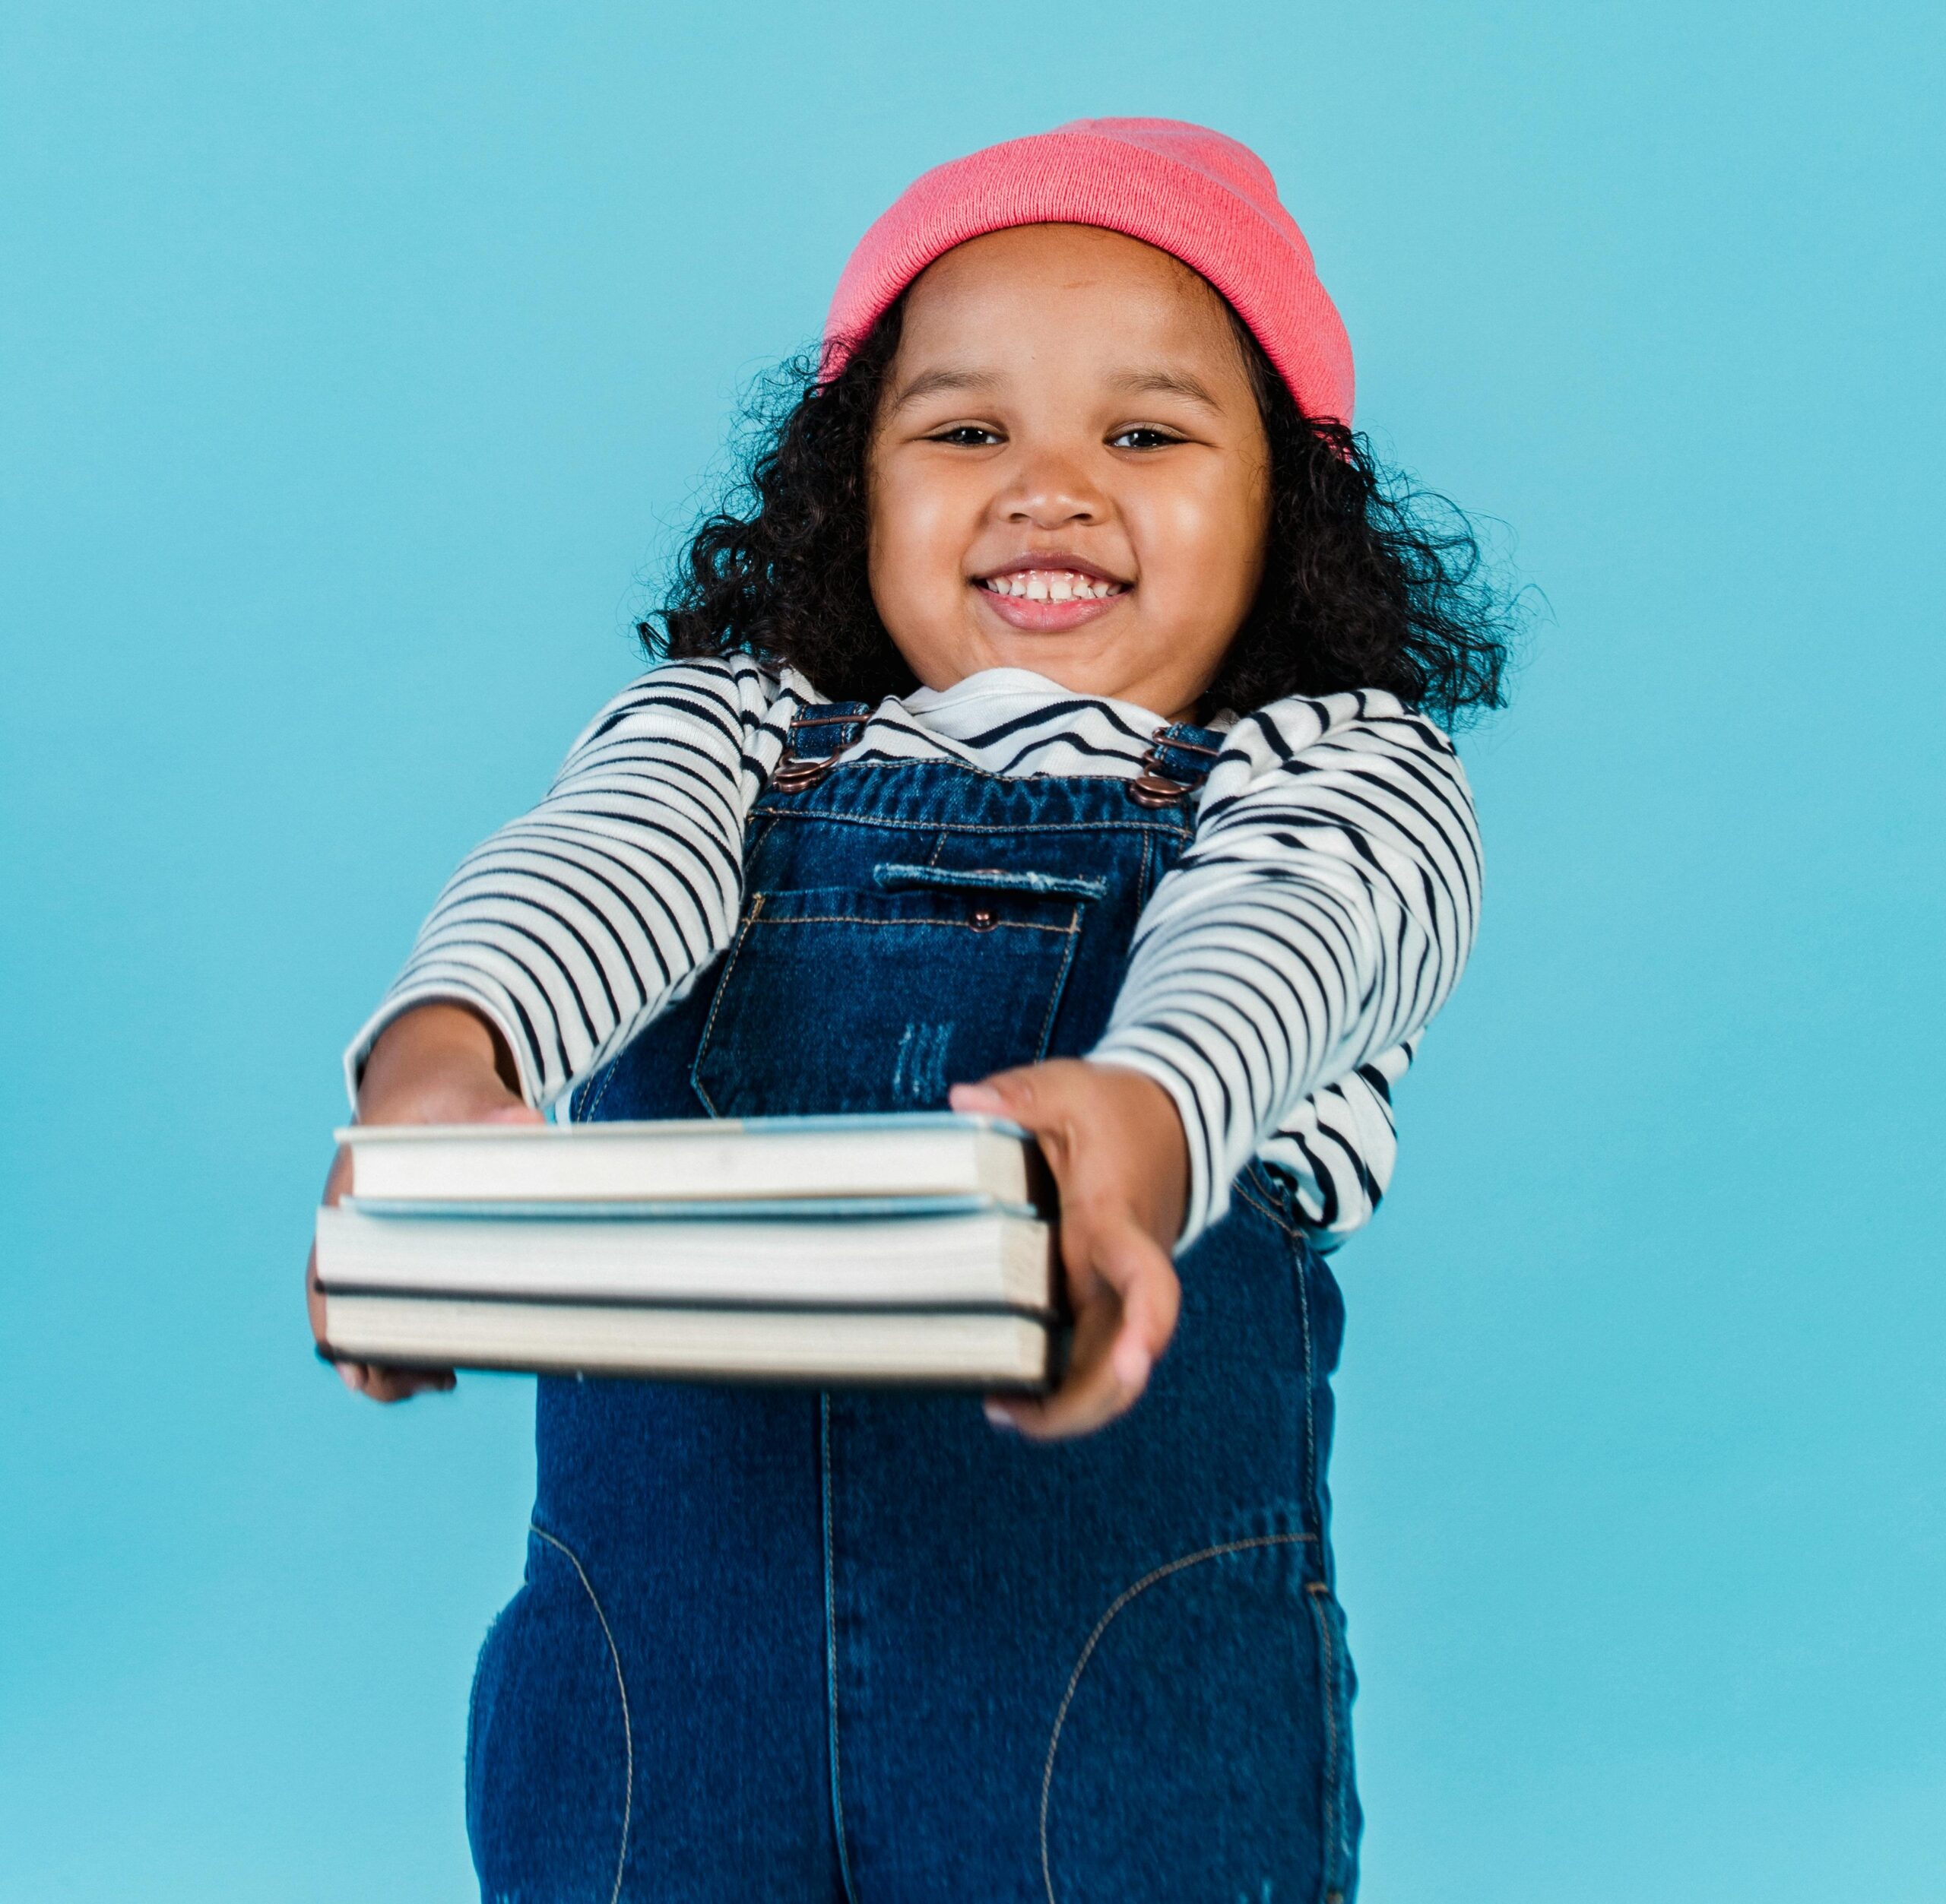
(1203, 547)
(916, 548)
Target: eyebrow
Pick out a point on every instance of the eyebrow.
(931, 383)
(951, 378)
(1164, 383)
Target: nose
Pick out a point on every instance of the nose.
(1050, 490)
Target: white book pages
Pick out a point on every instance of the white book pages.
(986, 1259)
(829, 1349)
(703, 1158)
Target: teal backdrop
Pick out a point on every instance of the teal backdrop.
(360, 365)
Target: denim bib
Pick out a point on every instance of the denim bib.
(860, 1645)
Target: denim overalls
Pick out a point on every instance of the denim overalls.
(779, 1645)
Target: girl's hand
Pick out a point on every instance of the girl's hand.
(438, 1064)
(1114, 1141)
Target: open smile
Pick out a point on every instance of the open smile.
(1050, 595)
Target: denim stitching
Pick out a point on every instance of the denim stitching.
(1059, 985)
(622, 1686)
(966, 768)
(830, 1647)
(1328, 1663)
(1297, 1235)
(1295, 1231)
(716, 1005)
(761, 829)
(1310, 1391)
(958, 925)
(1173, 829)
(895, 822)
(1121, 1600)
(601, 1091)
(1333, 1821)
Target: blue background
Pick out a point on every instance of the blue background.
(360, 362)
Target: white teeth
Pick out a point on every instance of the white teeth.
(1051, 584)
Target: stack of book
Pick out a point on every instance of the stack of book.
(829, 1250)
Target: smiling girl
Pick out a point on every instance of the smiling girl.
(1052, 730)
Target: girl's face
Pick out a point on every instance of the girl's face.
(1069, 472)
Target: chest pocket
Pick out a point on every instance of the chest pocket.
(835, 999)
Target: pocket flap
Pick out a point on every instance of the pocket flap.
(890, 877)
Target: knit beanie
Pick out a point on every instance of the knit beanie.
(1189, 191)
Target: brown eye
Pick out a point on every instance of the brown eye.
(1142, 437)
(965, 436)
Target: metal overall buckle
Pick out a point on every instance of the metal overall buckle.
(795, 771)
(1152, 786)
(793, 774)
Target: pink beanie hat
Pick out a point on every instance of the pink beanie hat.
(1186, 190)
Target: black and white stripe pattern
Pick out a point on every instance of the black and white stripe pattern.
(1280, 975)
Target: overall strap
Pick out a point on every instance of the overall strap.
(1178, 760)
(818, 734)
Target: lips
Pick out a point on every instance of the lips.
(1049, 596)
(1049, 591)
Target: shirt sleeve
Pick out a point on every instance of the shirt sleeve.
(574, 924)
(1320, 915)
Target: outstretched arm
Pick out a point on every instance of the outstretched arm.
(438, 1063)
(570, 926)
(1320, 917)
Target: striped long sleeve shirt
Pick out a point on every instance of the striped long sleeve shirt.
(1280, 974)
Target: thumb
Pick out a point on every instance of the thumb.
(976, 1100)
(1007, 1094)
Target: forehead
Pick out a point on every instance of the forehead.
(1019, 286)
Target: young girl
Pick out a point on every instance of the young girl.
(1051, 735)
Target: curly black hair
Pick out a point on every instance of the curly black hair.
(1368, 581)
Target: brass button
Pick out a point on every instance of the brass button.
(984, 920)
(1155, 790)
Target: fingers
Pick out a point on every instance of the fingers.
(368, 1378)
(1111, 1138)
(365, 1378)
(438, 1064)
(1122, 1326)
(384, 1384)
(400, 1384)
(1103, 1128)
(976, 1100)
(1150, 1302)
(1012, 1094)
(1091, 1394)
